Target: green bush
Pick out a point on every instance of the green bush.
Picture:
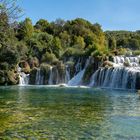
(45, 66)
(70, 63)
(4, 66)
(48, 58)
(73, 52)
(137, 52)
(9, 55)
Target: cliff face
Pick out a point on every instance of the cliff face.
(8, 78)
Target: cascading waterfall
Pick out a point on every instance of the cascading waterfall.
(77, 80)
(39, 78)
(23, 78)
(50, 82)
(78, 66)
(51, 76)
(56, 76)
(67, 76)
(124, 74)
(118, 76)
(132, 61)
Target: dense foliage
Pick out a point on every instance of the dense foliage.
(60, 39)
(31, 45)
(125, 41)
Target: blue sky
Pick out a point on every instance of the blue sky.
(111, 14)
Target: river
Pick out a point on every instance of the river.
(43, 112)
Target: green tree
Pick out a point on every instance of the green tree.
(56, 47)
(42, 25)
(112, 43)
(79, 42)
(65, 39)
(9, 55)
(25, 30)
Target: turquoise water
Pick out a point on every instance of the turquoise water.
(54, 113)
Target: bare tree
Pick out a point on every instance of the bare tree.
(11, 9)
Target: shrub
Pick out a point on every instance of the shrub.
(48, 58)
(73, 52)
(137, 52)
(4, 66)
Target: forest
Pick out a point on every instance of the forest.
(51, 43)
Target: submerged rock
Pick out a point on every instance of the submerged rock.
(62, 85)
(32, 78)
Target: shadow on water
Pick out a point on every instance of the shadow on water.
(38, 112)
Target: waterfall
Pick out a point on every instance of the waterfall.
(78, 66)
(67, 76)
(119, 76)
(39, 78)
(50, 82)
(132, 61)
(125, 74)
(23, 78)
(77, 80)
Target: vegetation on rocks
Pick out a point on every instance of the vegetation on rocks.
(28, 45)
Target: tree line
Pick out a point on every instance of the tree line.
(49, 42)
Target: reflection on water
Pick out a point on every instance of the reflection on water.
(68, 113)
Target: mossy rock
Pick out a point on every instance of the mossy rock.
(49, 58)
(45, 67)
(126, 64)
(45, 71)
(62, 73)
(33, 62)
(25, 66)
(2, 78)
(107, 64)
(8, 78)
(70, 63)
(12, 78)
(32, 78)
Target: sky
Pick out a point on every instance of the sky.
(110, 14)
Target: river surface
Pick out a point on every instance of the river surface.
(59, 113)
